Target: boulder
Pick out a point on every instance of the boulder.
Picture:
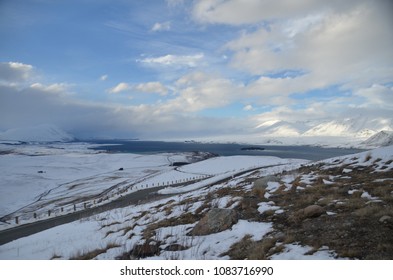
(145, 250)
(216, 220)
(386, 220)
(313, 211)
(262, 183)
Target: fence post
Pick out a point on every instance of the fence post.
(17, 220)
(74, 207)
(48, 213)
(35, 215)
(62, 209)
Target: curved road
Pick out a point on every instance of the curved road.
(14, 233)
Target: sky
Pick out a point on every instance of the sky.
(189, 69)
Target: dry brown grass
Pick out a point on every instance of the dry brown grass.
(259, 192)
(89, 255)
(253, 250)
(368, 157)
(186, 218)
(129, 228)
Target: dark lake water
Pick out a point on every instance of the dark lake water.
(152, 147)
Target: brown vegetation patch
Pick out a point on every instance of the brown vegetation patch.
(355, 230)
(94, 253)
(254, 250)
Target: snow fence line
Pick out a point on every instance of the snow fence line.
(210, 181)
(12, 220)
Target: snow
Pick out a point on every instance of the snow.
(226, 167)
(298, 252)
(272, 186)
(382, 138)
(267, 206)
(327, 182)
(34, 178)
(377, 157)
(368, 196)
(67, 176)
(214, 245)
(323, 131)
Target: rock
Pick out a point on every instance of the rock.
(216, 220)
(175, 247)
(312, 211)
(386, 220)
(262, 183)
(145, 250)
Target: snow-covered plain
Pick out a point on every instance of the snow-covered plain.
(39, 178)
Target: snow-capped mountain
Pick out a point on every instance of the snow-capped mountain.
(41, 133)
(360, 127)
(381, 139)
(282, 128)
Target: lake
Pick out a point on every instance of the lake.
(152, 147)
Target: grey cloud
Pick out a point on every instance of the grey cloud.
(15, 72)
(34, 106)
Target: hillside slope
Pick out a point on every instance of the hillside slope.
(381, 139)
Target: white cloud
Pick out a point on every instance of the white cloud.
(171, 60)
(248, 108)
(376, 95)
(104, 77)
(11, 72)
(161, 26)
(54, 88)
(120, 87)
(198, 91)
(329, 48)
(152, 87)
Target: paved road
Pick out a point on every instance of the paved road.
(11, 234)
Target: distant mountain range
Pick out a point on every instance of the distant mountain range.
(41, 133)
(360, 127)
(365, 133)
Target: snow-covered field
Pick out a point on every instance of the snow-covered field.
(36, 179)
(70, 172)
(40, 178)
